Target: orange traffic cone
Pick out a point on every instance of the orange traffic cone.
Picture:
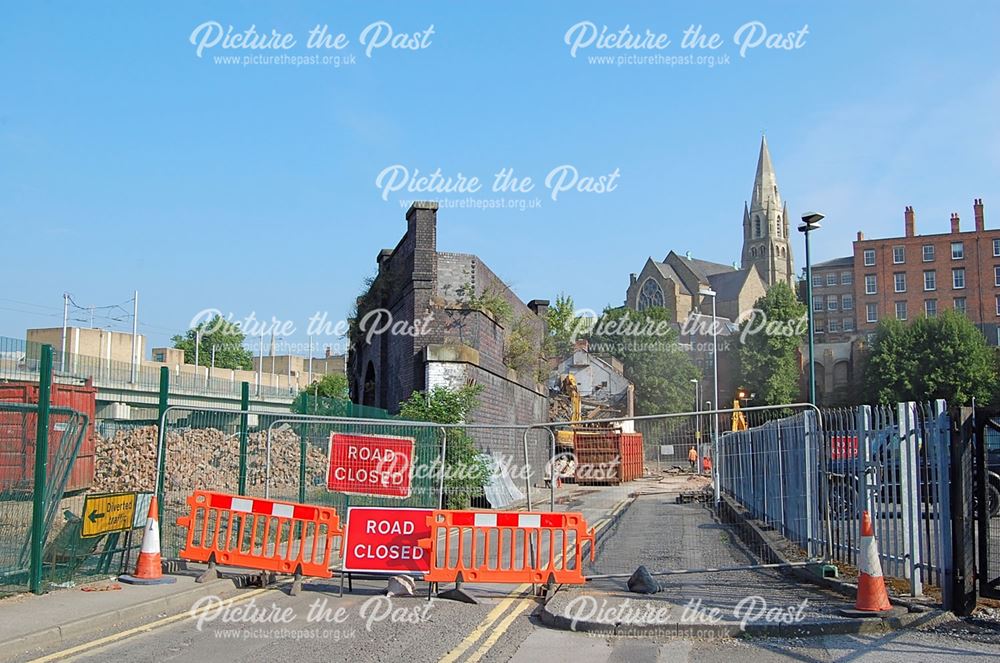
(872, 596)
(148, 570)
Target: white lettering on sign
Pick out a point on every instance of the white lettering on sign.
(388, 527)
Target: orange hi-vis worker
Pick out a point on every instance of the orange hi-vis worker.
(706, 464)
(693, 457)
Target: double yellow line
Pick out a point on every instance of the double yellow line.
(520, 597)
(151, 626)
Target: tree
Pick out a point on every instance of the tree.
(941, 357)
(889, 364)
(224, 336)
(646, 343)
(331, 390)
(562, 323)
(768, 351)
(466, 471)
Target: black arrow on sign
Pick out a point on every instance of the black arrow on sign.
(94, 516)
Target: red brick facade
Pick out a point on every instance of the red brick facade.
(917, 275)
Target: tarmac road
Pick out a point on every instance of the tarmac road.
(499, 629)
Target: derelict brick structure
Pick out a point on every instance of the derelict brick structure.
(458, 344)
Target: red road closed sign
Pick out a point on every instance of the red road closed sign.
(370, 464)
(384, 540)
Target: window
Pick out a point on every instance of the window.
(899, 279)
(998, 305)
(930, 307)
(958, 278)
(957, 250)
(818, 303)
(930, 280)
(848, 324)
(833, 326)
(996, 276)
(756, 226)
(650, 295)
(928, 253)
(870, 288)
(817, 280)
(898, 255)
(960, 304)
(869, 257)
(996, 248)
(847, 302)
(872, 311)
(846, 278)
(831, 280)
(901, 310)
(818, 329)
(831, 302)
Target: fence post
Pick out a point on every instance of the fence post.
(810, 467)
(162, 409)
(244, 435)
(41, 470)
(942, 444)
(963, 520)
(909, 490)
(303, 451)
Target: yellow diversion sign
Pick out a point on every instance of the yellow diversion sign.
(107, 512)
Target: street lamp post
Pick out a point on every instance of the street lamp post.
(810, 222)
(707, 292)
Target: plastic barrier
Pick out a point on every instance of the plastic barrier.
(281, 537)
(507, 547)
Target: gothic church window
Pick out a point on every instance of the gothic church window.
(650, 295)
(756, 226)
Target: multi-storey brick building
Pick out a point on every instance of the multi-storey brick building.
(902, 278)
(913, 275)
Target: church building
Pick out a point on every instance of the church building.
(766, 259)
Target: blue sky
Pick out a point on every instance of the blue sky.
(131, 163)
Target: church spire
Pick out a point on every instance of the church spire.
(765, 183)
(765, 226)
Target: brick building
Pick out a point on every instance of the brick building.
(901, 278)
(453, 342)
(913, 275)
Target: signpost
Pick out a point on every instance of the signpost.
(370, 465)
(384, 540)
(107, 512)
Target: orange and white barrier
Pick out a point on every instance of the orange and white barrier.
(260, 534)
(507, 547)
(872, 595)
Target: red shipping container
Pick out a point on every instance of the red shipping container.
(17, 451)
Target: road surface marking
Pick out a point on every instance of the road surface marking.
(144, 628)
(498, 631)
(494, 614)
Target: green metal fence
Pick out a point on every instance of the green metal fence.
(25, 510)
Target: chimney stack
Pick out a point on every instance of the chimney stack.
(582, 344)
(977, 207)
(909, 221)
(861, 236)
(954, 223)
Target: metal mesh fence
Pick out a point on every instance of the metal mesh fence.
(19, 360)
(18, 430)
(655, 475)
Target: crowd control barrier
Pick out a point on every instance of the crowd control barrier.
(506, 547)
(259, 534)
